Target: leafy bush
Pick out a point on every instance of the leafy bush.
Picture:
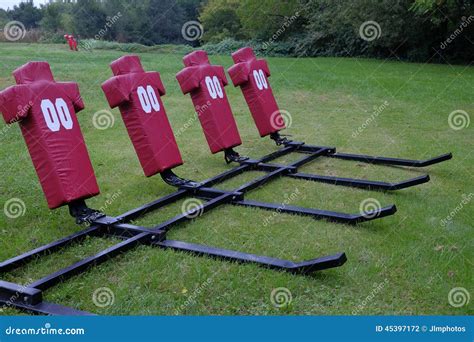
(229, 45)
(407, 29)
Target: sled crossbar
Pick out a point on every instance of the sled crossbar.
(29, 297)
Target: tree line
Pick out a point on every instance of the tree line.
(419, 30)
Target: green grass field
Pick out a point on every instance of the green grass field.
(403, 264)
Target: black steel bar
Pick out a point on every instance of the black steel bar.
(373, 159)
(246, 166)
(10, 292)
(309, 158)
(278, 154)
(320, 214)
(255, 183)
(193, 213)
(304, 267)
(161, 202)
(269, 167)
(210, 193)
(391, 161)
(125, 230)
(361, 183)
(84, 264)
(46, 308)
(358, 183)
(225, 175)
(303, 148)
(24, 258)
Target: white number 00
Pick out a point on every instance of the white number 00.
(260, 79)
(214, 87)
(56, 114)
(148, 99)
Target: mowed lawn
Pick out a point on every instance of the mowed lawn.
(403, 264)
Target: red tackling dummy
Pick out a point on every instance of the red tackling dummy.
(251, 74)
(68, 39)
(46, 111)
(71, 41)
(205, 83)
(138, 95)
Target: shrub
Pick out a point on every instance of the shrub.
(229, 45)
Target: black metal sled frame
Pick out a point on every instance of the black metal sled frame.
(316, 151)
(30, 297)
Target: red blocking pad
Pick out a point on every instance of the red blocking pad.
(46, 112)
(205, 83)
(251, 74)
(138, 95)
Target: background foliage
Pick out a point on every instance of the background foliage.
(409, 29)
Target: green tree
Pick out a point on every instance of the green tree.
(337, 29)
(220, 20)
(3, 18)
(452, 23)
(89, 18)
(27, 14)
(249, 19)
(165, 20)
(57, 17)
(148, 22)
(265, 18)
(190, 8)
(126, 27)
(440, 11)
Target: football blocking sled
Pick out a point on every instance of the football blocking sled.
(52, 133)
(251, 75)
(205, 83)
